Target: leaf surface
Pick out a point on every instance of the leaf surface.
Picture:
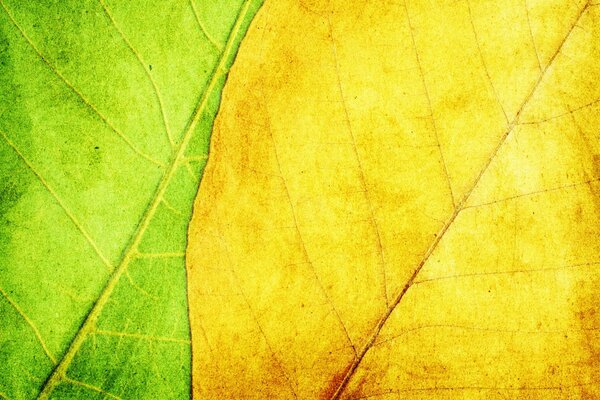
(106, 109)
(402, 202)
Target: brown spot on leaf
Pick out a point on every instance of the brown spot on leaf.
(334, 383)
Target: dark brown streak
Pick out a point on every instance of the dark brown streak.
(459, 208)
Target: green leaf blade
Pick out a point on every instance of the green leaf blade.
(105, 125)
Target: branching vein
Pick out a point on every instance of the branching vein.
(31, 324)
(141, 336)
(371, 341)
(60, 202)
(91, 387)
(363, 180)
(305, 253)
(203, 29)
(144, 66)
(433, 122)
(89, 324)
(83, 99)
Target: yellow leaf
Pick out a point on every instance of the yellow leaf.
(402, 202)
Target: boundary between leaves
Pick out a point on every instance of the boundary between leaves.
(58, 375)
(460, 206)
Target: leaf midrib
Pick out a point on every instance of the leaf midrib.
(458, 209)
(130, 252)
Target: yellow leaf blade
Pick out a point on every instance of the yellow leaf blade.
(363, 227)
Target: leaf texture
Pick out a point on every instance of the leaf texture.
(106, 109)
(402, 202)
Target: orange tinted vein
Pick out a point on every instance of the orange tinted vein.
(483, 63)
(508, 272)
(480, 329)
(535, 49)
(479, 388)
(570, 112)
(369, 344)
(238, 281)
(534, 193)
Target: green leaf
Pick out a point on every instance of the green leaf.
(106, 109)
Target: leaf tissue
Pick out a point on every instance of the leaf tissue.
(402, 201)
(106, 107)
(301, 199)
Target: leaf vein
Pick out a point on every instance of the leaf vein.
(534, 193)
(307, 257)
(89, 322)
(140, 336)
(91, 387)
(480, 388)
(31, 324)
(483, 62)
(60, 202)
(203, 29)
(509, 272)
(255, 317)
(83, 99)
(144, 66)
(480, 329)
(379, 326)
(359, 161)
(429, 106)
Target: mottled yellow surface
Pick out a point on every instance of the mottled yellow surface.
(402, 201)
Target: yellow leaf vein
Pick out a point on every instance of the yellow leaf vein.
(379, 326)
(89, 323)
